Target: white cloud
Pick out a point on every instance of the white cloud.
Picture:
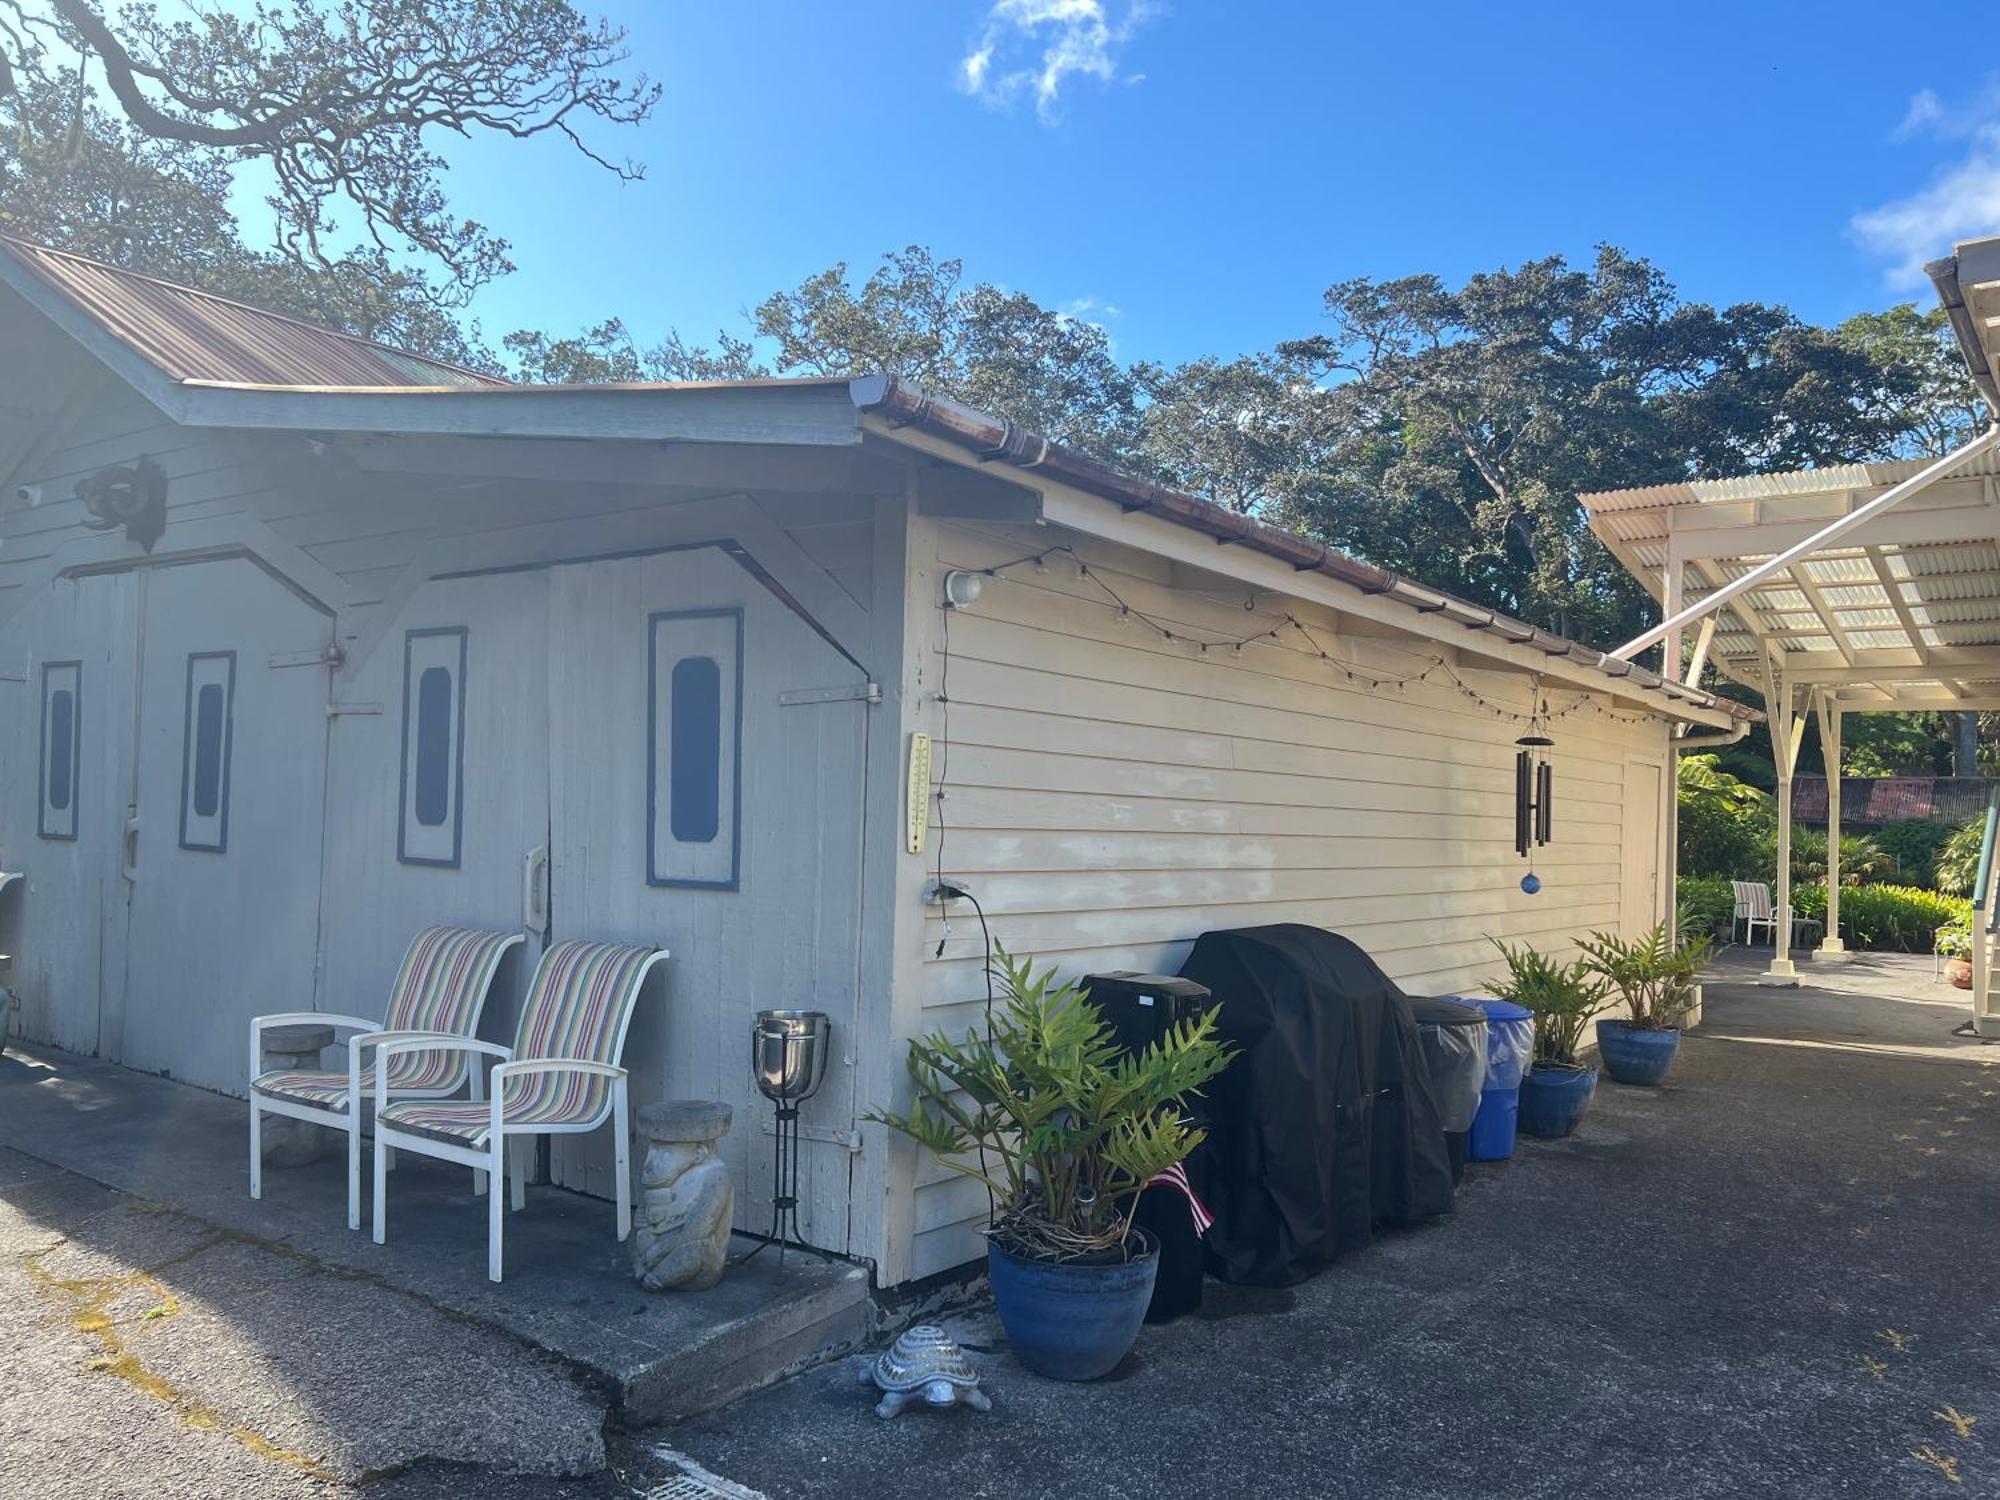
(1926, 111)
(1962, 201)
(1034, 48)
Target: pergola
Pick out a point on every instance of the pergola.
(1856, 588)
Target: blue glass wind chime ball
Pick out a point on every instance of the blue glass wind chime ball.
(1531, 882)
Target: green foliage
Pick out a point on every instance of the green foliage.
(1884, 918)
(1910, 744)
(1912, 846)
(1861, 858)
(1723, 821)
(1654, 974)
(1958, 860)
(1707, 904)
(335, 107)
(1561, 997)
(1061, 1125)
(1954, 940)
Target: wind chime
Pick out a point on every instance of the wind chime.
(1534, 795)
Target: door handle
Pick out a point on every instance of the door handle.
(128, 849)
(535, 891)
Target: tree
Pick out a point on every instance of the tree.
(1927, 402)
(913, 317)
(1477, 415)
(335, 103)
(77, 177)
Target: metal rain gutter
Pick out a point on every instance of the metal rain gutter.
(992, 439)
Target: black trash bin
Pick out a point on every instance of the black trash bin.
(1140, 1007)
(1454, 1038)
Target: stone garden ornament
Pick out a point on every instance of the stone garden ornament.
(924, 1368)
(680, 1238)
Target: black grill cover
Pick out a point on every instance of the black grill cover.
(1325, 1124)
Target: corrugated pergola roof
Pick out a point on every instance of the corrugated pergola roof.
(1903, 612)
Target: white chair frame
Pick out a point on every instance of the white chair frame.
(367, 1034)
(501, 1156)
(1753, 909)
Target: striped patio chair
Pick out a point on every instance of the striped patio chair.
(561, 1077)
(440, 989)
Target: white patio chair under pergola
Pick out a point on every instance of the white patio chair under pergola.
(1855, 588)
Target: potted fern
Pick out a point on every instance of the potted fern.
(1063, 1127)
(1656, 976)
(1562, 997)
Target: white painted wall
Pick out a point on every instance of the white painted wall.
(1110, 795)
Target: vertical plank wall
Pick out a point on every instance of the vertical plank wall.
(1110, 794)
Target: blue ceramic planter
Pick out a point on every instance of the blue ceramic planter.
(1067, 1321)
(1553, 1099)
(1635, 1056)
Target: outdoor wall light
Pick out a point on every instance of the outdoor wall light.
(962, 589)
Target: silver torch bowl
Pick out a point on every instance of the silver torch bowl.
(788, 1053)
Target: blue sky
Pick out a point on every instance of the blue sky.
(1193, 175)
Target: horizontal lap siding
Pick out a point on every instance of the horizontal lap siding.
(1110, 794)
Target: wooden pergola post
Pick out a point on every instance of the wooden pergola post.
(1830, 716)
(1787, 728)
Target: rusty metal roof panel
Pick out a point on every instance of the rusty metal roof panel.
(195, 335)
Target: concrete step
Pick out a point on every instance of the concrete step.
(569, 1290)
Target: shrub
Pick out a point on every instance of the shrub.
(1886, 918)
(1861, 858)
(1707, 904)
(1958, 860)
(1561, 997)
(1723, 821)
(1654, 974)
(1050, 1114)
(1914, 844)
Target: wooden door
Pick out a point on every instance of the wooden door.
(1639, 886)
(439, 789)
(706, 794)
(69, 770)
(224, 856)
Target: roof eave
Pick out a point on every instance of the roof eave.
(992, 439)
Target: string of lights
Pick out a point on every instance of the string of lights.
(1433, 667)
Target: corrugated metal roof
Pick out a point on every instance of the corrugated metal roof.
(195, 335)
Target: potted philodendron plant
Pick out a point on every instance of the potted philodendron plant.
(1561, 997)
(1063, 1127)
(1655, 975)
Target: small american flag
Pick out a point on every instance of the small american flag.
(1176, 1177)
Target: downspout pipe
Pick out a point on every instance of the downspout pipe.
(1714, 739)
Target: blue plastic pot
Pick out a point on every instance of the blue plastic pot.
(1634, 1055)
(1553, 1099)
(1069, 1321)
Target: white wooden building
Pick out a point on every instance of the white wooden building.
(647, 663)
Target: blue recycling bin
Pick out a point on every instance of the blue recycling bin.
(1510, 1048)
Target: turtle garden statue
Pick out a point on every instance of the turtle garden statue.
(924, 1368)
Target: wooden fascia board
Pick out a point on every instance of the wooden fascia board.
(805, 415)
(1103, 518)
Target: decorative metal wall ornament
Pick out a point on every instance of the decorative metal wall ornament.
(788, 1051)
(1534, 797)
(134, 497)
(924, 1368)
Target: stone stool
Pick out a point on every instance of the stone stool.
(289, 1142)
(680, 1233)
